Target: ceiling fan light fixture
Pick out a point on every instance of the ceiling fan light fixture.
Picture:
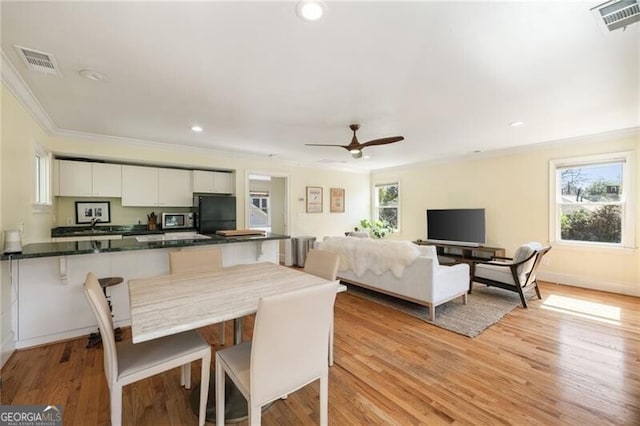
(310, 10)
(356, 153)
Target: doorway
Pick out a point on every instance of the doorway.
(267, 204)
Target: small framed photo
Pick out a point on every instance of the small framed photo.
(337, 200)
(87, 211)
(314, 199)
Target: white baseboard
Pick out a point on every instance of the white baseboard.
(8, 348)
(620, 287)
(70, 334)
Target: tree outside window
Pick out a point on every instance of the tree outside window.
(591, 200)
(387, 204)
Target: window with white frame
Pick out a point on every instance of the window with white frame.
(260, 213)
(387, 204)
(592, 201)
(42, 176)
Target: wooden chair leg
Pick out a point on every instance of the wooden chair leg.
(522, 298)
(205, 373)
(537, 290)
(220, 378)
(116, 404)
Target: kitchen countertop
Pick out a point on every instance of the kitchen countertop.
(124, 230)
(69, 248)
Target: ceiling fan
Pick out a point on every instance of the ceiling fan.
(355, 147)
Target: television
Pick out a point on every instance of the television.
(456, 226)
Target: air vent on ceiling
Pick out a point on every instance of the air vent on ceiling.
(616, 14)
(38, 61)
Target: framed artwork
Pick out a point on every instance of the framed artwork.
(337, 200)
(314, 199)
(87, 211)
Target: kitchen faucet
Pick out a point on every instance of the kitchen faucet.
(94, 222)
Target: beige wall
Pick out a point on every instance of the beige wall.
(514, 190)
(17, 135)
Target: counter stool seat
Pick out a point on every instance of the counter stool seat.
(95, 338)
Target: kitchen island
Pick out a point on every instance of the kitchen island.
(47, 278)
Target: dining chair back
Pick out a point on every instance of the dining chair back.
(323, 264)
(288, 351)
(126, 362)
(199, 260)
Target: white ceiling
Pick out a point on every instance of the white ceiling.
(448, 76)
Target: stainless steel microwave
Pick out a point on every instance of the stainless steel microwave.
(177, 220)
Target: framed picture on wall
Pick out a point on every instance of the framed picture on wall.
(314, 199)
(87, 211)
(337, 200)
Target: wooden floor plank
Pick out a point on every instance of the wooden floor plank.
(537, 366)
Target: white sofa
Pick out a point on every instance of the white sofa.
(423, 281)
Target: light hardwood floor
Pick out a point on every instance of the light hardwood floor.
(536, 366)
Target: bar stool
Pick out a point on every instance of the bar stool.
(95, 338)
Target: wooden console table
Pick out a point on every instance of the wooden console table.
(464, 254)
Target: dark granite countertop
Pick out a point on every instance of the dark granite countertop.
(69, 248)
(86, 231)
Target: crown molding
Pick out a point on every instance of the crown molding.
(16, 85)
(173, 147)
(592, 138)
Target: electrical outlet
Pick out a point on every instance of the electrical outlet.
(69, 221)
(546, 261)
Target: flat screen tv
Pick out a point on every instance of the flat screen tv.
(456, 226)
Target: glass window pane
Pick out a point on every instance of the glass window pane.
(591, 223)
(387, 195)
(599, 183)
(389, 215)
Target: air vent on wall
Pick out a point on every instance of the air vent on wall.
(38, 61)
(616, 14)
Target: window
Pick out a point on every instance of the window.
(387, 204)
(42, 176)
(259, 216)
(591, 200)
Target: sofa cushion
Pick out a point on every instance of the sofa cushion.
(523, 252)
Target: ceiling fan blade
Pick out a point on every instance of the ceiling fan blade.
(324, 144)
(382, 141)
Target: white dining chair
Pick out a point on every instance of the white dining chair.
(200, 260)
(288, 351)
(126, 362)
(324, 264)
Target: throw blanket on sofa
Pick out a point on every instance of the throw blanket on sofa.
(378, 256)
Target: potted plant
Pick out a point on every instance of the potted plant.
(376, 228)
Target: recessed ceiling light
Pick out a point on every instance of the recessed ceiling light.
(516, 123)
(196, 128)
(367, 156)
(92, 75)
(310, 10)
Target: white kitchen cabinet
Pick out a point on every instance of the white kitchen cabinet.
(74, 179)
(174, 188)
(86, 179)
(212, 182)
(153, 187)
(107, 180)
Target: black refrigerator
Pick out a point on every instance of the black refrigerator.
(214, 213)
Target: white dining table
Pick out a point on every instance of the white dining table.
(170, 304)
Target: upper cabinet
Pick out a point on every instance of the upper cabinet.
(152, 186)
(212, 182)
(85, 179)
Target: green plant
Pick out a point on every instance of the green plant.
(377, 228)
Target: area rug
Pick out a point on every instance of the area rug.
(485, 307)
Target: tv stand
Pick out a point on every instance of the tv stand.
(464, 254)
